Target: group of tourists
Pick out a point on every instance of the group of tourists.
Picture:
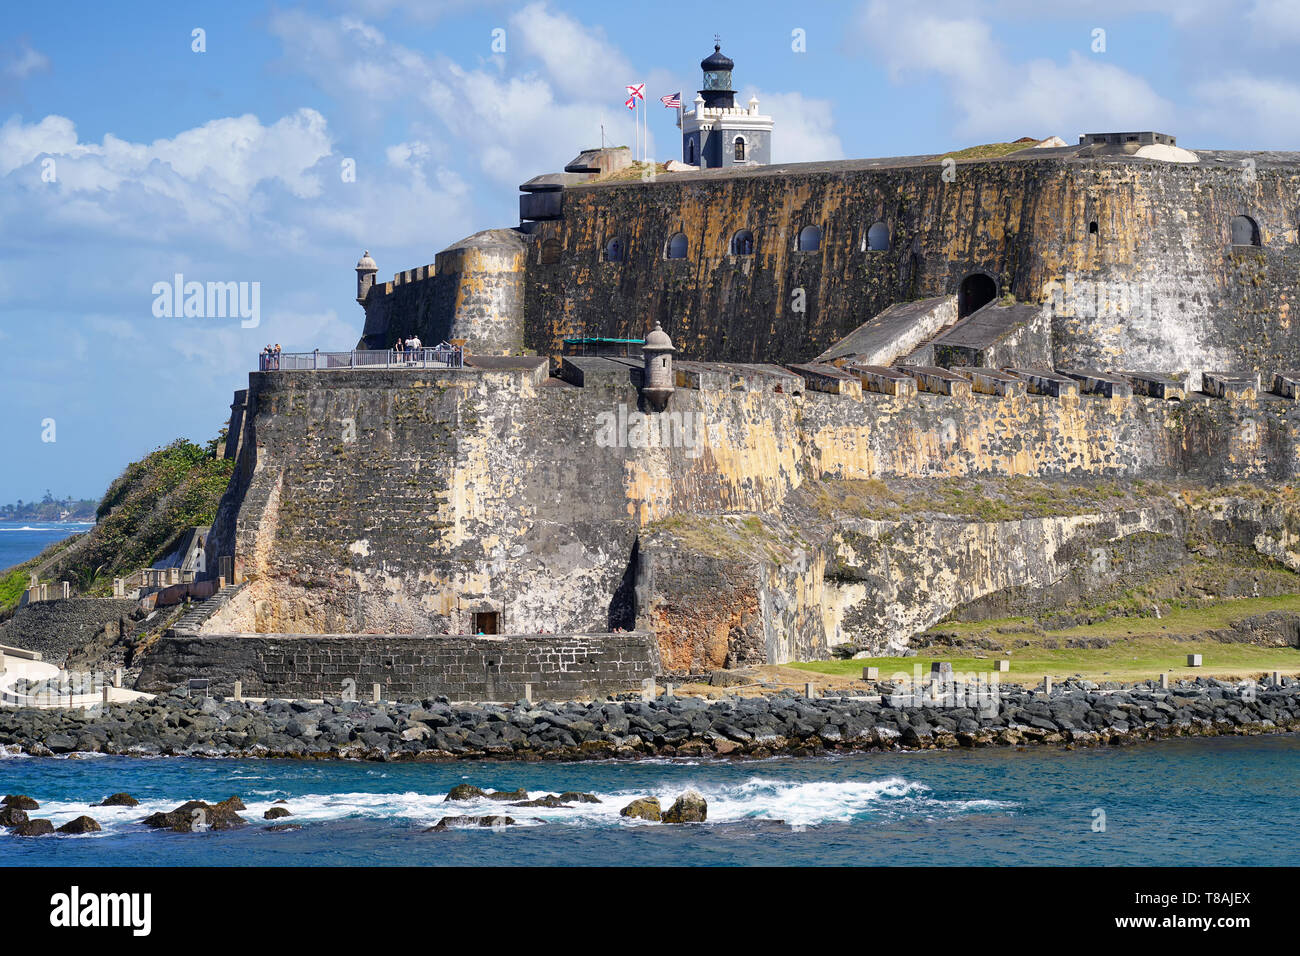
(270, 358)
(406, 346)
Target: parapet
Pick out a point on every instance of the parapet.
(1046, 382)
(1230, 385)
(885, 380)
(940, 381)
(1152, 385)
(820, 377)
(1099, 383)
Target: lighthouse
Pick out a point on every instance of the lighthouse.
(717, 133)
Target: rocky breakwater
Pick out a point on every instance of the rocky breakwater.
(1075, 713)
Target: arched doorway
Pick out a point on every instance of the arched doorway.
(1245, 231)
(976, 291)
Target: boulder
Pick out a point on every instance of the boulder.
(195, 816)
(276, 813)
(34, 828)
(446, 823)
(21, 801)
(283, 827)
(12, 817)
(690, 807)
(550, 801)
(506, 796)
(81, 825)
(576, 796)
(118, 800)
(232, 803)
(643, 808)
(465, 791)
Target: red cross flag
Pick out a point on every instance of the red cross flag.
(636, 91)
(631, 103)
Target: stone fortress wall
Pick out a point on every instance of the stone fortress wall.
(472, 291)
(546, 494)
(1158, 285)
(405, 502)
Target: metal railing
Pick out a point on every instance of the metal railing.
(442, 356)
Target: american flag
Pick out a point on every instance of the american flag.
(672, 100)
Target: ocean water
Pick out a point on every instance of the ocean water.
(21, 540)
(1179, 802)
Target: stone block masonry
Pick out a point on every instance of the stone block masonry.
(1131, 260)
(407, 502)
(407, 667)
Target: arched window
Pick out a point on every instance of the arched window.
(740, 149)
(810, 239)
(742, 243)
(676, 248)
(550, 252)
(614, 250)
(690, 153)
(878, 237)
(1245, 231)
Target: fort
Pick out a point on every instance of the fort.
(849, 400)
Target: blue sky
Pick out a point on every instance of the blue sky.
(127, 157)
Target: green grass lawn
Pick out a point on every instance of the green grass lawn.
(1142, 648)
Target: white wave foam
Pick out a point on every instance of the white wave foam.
(803, 803)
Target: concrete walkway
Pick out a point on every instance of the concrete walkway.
(13, 669)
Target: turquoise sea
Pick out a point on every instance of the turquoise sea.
(1178, 802)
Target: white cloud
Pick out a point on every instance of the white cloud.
(577, 60)
(20, 60)
(213, 176)
(803, 129)
(1263, 108)
(995, 97)
(512, 116)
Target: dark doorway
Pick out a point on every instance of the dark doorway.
(976, 291)
(742, 243)
(487, 622)
(1245, 231)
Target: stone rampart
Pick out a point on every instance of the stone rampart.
(1132, 257)
(406, 667)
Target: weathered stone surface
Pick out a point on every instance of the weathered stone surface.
(643, 808)
(33, 828)
(196, 816)
(82, 824)
(21, 801)
(690, 807)
(12, 817)
(447, 823)
(275, 813)
(465, 791)
(298, 518)
(784, 723)
(118, 800)
(1023, 220)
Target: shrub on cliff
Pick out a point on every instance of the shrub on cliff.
(146, 509)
